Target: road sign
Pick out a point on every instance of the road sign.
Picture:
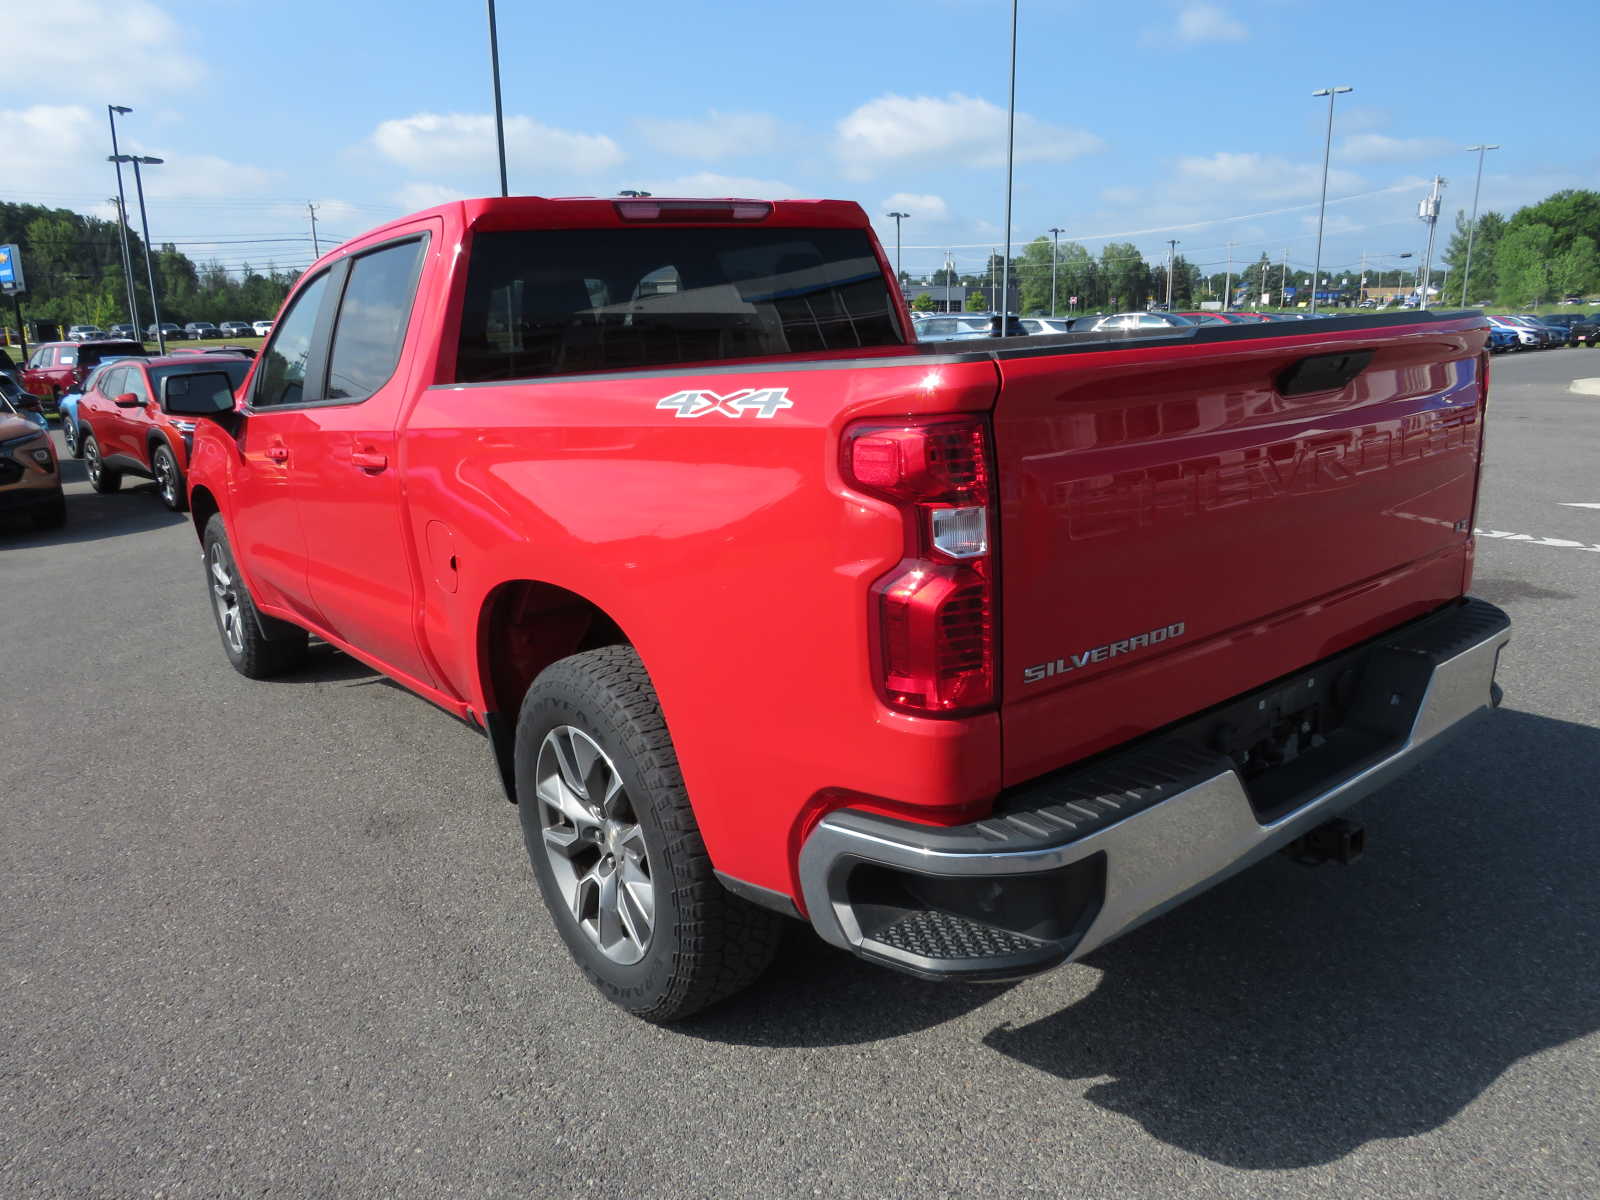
(11, 278)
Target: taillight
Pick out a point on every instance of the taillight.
(933, 615)
(692, 210)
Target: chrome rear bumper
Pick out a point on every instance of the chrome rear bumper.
(1071, 861)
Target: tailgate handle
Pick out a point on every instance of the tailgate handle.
(1322, 372)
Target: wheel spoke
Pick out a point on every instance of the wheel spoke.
(610, 927)
(566, 760)
(566, 842)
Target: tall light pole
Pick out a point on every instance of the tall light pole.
(499, 114)
(1227, 281)
(144, 224)
(1055, 254)
(122, 217)
(899, 275)
(1172, 257)
(1466, 275)
(1011, 139)
(1322, 208)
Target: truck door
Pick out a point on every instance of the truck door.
(346, 469)
(265, 522)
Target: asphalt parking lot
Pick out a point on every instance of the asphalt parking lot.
(282, 939)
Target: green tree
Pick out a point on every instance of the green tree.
(1569, 214)
(977, 302)
(1127, 276)
(1577, 268)
(1491, 228)
(922, 302)
(1525, 260)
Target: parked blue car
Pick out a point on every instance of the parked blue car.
(1502, 340)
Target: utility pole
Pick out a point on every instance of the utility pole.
(950, 281)
(1055, 254)
(1227, 281)
(1283, 278)
(122, 218)
(499, 113)
(1172, 258)
(1466, 276)
(1428, 210)
(1361, 282)
(898, 273)
(316, 247)
(1322, 208)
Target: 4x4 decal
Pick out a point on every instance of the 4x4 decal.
(764, 402)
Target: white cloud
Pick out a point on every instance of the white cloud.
(1208, 23)
(958, 130)
(1249, 179)
(465, 142)
(1378, 148)
(414, 196)
(918, 207)
(130, 47)
(709, 184)
(717, 135)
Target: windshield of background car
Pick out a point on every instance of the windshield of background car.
(236, 370)
(559, 302)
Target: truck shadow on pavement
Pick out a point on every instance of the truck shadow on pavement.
(137, 508)
(1293, 1014)
(1288, 1017)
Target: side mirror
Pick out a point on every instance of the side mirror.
(127, 400)
(202, 394)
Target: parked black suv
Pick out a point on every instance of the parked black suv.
(196, 330)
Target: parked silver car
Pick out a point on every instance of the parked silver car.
(952, 329)
(1140, 320)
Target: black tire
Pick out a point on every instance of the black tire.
(52, 515)
(258, 647)
(101, 477)
(705, 943)
(170, 483)
(69, 434)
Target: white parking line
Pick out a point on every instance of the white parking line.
(1586, 387)
(1557, 543)
(1577, 504)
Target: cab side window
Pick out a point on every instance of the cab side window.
(373, 315)
(281, 377)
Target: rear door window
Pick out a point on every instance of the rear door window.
(560, 302)
(371, 325)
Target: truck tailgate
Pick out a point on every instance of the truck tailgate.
(1182, 521)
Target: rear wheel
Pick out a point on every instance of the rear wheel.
(169, 479)
(245, 632)
(69, 434)
(101, 477)
(616, 848)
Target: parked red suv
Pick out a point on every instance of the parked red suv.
(56, 368)
(124, 427)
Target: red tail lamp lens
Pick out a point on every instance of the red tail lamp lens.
(934, 612)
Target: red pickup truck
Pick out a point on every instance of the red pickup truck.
(972, 659)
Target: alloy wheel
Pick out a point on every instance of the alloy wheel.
(595, 846)
(166, 479)
(225, 599)
(91, 460)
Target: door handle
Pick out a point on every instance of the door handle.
(278, 454)
(369, 460)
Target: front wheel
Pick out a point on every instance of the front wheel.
(245, 631)
(616, 848)
(169, 479)
(69, 435)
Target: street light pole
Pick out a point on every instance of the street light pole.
(499, 114)
(1011, 138)
(122, 217)
(1466, 275)
(1322, 208)
(1172, 257)
(1227, 281)
(898, 273)
(144, 224)
(1428, 210)
(1055, 254)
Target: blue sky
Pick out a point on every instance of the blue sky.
(1164, 118)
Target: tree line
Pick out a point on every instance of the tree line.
(1536, 256)
(73, 269)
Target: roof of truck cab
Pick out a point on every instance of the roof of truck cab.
(495, 213)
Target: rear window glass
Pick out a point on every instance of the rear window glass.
(236, 370)
(90, 355)
(555, 303)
